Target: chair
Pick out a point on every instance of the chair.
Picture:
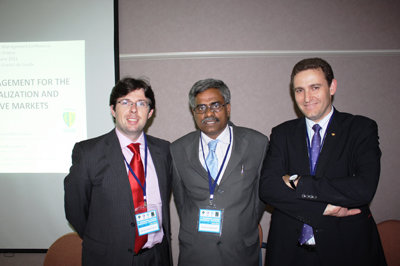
(262, 245)
(389, 231)
(65, 251)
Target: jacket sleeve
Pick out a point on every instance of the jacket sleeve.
(273, 189)
(261, 205)
(77, 188)
(177, 186)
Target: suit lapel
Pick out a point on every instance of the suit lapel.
(239, 146)
(298, 143)
(329, 145)
(192, 152)
(114, 155)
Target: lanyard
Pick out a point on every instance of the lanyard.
(143, 186)
(312, 171)
(211, 184)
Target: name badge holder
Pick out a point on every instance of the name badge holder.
(147, 222)
(210, 219)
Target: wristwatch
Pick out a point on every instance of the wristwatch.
(293, 178)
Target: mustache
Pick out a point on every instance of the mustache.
(210, 119)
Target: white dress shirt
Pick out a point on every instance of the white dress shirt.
(323, 123)
(222, 146)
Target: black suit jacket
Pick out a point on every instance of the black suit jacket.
(347, 175)
(98, 198)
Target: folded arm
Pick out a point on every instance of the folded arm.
(330, 210)
(336, 193)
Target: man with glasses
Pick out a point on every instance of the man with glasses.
(215, 183)
(118, 190)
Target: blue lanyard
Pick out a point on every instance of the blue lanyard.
(211, 184)
(143, 186)
(312, 171)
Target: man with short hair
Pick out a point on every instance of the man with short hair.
(321, 173)
(215, 183)
(118, 190)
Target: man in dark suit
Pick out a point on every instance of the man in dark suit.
(321, 173)
(112, 182)
(216, 188)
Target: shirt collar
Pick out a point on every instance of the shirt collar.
(223, 137)
(323, 122)
(125, 141)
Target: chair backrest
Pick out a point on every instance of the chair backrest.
(65, 251)
(263, 245)
(389, 231)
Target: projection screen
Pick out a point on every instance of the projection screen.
(57, 68)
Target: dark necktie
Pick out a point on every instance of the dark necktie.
(137, 192)
(211, 160)
(315, 147)
(307, 231)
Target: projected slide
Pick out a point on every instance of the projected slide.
(42, 105)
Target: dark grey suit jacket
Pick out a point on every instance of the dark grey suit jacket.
(237, 195)
(98, 198)
(347, 174)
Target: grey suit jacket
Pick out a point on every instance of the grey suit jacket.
(98, 198)
(237, 196)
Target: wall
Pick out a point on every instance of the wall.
(252, 46)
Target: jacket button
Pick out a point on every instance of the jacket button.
(130, 250)
(133, 224)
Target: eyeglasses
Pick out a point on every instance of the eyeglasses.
(141, 104)
(214, 107)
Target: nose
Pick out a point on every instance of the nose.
(307, 96)
(209, 111)
(133, 108)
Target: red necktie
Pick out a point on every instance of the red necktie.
(137, 191)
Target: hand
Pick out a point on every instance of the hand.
(286, 180)
(337, 211)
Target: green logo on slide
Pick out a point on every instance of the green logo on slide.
(69, 118)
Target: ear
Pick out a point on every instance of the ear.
(150, 113)
(228, 109)
(112, 110)
(332, 88)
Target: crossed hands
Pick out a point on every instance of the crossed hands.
(330, 210)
